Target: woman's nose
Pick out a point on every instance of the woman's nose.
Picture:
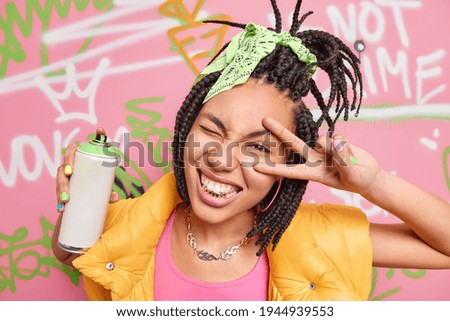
(223, 156)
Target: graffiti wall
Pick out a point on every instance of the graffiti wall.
(67, 67)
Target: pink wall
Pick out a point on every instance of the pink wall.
(72, 65)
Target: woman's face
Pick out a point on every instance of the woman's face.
(226, 140)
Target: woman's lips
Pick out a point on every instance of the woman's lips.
(216, 193)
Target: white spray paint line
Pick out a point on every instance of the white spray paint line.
(436, 133)
(8, 85)
(126, 3)
(148, 64)
(42, 157)
(431, 144)
(125, 68)
(113, 29)
(107, 30)
(63, 34)
(399, 112)
(52, 36)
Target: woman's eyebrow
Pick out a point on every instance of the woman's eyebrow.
(216, 121)
(256, 133)
(220, 124)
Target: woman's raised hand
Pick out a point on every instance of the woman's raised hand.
(333, 162)
(64, 173)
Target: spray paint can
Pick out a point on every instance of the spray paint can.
(90, 189)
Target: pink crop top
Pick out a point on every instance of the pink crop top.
(173, 285)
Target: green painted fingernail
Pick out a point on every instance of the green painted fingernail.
(64, 197)
(353, 160)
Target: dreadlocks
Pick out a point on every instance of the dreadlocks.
(283, 69)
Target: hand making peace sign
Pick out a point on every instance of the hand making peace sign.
(333, 162)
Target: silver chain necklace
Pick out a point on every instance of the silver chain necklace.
(203, 255)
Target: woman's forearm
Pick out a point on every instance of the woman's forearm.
(424, 213)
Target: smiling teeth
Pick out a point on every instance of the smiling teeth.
(218, 190)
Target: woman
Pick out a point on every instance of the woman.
(245, 148)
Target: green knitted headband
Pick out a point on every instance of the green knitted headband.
(246, 50)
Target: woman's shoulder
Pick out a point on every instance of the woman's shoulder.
(325, 244)
(326, 223)
(161, 196)
(343, 216)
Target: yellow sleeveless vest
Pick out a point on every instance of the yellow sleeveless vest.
(325, 254)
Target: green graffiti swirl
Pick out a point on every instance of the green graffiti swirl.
(14, 21)
(142, 126)
(19, 252)
(412, 274)
(445, 164)
(390, 273)
(145, 128)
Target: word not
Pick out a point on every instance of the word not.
(370, 24)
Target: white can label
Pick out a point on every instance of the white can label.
(85, 212)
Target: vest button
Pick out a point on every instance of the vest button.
(312, 285)
(110, 266)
